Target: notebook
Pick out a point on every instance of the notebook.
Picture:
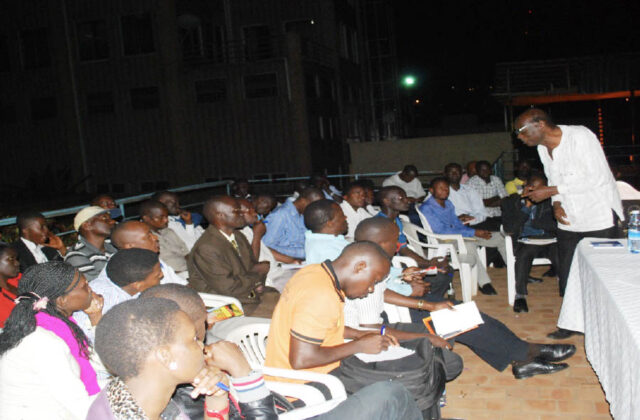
(449, 323)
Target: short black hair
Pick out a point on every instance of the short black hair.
(361, 248)
(131, 330)
(26, 217)
(410, 168)
(385, 192)
(311, 193)
(97, 198)
(158, 194)
(318, 213)
(536, 175)
(354, 184)
(147, 207)
(367, 183)
(131, 265)
(187, 299)
(437, 179)
(452, 165)
(482, 163)
(369, 228)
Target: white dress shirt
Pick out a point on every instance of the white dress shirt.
(467, 201)
(36, 251)
(586, 187)
(188, 233)
(413, 189)
(353, 218)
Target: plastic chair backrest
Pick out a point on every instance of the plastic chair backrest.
(252, 340)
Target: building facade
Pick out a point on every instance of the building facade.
(127, 96)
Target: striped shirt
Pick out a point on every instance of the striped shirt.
(493, 188)
(88, 259)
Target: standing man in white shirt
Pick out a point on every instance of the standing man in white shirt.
(353, 207)
(581, 186)
(409, 182)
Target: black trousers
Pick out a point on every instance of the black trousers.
(567, 243)
(525, 254)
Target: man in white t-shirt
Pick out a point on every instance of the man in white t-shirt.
(353, 207)
(467, 202)
(581, 186)
(409, 182)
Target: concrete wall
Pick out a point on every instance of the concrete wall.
(427, 153)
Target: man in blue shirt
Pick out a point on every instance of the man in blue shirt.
(441, 215)
(285, 227)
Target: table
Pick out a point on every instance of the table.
(602, 300)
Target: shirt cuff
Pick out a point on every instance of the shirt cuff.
(251, 387)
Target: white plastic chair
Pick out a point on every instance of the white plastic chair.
(397, 313)
(511, 266)
(215, 301)
(468, 275)
(252, 340)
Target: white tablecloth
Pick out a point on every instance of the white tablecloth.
(602, 300)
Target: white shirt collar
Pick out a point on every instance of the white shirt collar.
(229, 238)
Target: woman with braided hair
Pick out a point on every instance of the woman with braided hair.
(44, 356)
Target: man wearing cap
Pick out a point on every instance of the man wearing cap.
(91, 253)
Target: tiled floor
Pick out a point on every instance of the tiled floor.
(480, 392)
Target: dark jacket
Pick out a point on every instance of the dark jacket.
(513, 219)
(215, 266)
(27, 259)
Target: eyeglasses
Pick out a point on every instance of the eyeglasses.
(521, 129)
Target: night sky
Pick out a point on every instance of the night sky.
(457, 43)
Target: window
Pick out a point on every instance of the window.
(92, 40)
(321, 127)
(213, 90)
(35, 48)
(4, 54)
(43, 108)
(100, 103)
(261, 86)
(257, 42)
(137, 34)
(145, 98)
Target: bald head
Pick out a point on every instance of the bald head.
(534, 115)
(359, 267)
(134, 234)
(223, 212)
(380, 230)
(534, 127)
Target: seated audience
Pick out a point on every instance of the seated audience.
(515, 186)
(470, 172)
(92, 251)
(492, 341)
(9, 271)
(130, 272)
(254, 231)
(150, 347)
(135, 234)
(490, 188)
(441, 216)
(36, 244)
(223, 262)
(241, 189)
(353, 206)
(466, 201)
(322, 183)
(285, 227)
(370, 196)
(299, 186)
(393, 200)
(264, 204)
(407, 180)
(45, 371)
(173, 250)
(525, 219)
(183, 222)
(108, 203)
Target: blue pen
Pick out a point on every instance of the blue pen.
(222, 386)
(382, 330)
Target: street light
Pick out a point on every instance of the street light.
(409, 81)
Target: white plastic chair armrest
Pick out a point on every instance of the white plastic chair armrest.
(213, 301)
(334, 384)
(398, 260)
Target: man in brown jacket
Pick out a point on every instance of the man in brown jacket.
(222, 261)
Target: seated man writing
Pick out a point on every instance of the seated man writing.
(525, 219)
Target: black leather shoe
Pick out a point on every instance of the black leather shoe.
(488, 289)
(550, 273)
(555, 352)
(534, 280)
(520, 305)
(536, 367)
(561, 334)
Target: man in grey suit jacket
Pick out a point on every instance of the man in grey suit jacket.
(222, 261)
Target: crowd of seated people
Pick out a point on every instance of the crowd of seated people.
(128, 336)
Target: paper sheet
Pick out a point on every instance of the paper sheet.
(392, 353)
(449, 323)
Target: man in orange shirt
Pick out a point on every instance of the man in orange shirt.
(307, 329)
